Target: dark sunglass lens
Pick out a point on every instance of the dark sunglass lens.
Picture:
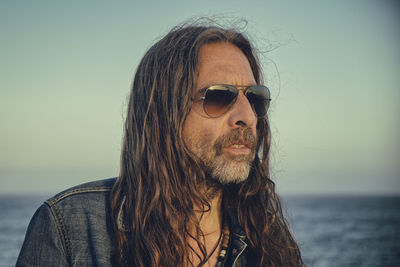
(218, 101)
(259, 98)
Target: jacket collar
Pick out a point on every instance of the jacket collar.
(238, 241)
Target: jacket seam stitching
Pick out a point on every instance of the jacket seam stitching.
(54, 200)
(62, 230)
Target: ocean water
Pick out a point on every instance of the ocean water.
(15, 214)
(346, 231)
(331, 230)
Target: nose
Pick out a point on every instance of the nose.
(242, 114)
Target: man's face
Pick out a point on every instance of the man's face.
(226, 144)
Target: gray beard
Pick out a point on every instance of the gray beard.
(228, 169)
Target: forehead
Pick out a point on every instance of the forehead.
(223, 63)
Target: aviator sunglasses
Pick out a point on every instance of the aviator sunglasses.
(219, 98)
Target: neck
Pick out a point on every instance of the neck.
(211, 220)
(210, 223)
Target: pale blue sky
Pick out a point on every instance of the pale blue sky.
(66, 69)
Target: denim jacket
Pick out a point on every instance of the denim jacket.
(74, 228)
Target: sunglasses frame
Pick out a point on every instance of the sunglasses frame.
(234, 89)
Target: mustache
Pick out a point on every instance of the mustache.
(236, 136)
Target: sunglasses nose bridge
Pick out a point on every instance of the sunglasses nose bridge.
(245, 98)
(242, 112)
(237, 90)
(242, 89)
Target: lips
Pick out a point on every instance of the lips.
(239, 141)
(240, 145)
(238, 148)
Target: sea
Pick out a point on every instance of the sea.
(331, 230)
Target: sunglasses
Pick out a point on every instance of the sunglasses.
(220, 98)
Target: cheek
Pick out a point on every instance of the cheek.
(189, 131)
(199, 130)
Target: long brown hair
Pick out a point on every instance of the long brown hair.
(154, 195)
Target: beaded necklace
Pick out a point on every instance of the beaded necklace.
(224, 246)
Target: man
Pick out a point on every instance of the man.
(194, 186)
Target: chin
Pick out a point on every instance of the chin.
(232, 173)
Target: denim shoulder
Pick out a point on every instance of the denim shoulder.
(73, 228)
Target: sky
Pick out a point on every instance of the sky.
(333, 68)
